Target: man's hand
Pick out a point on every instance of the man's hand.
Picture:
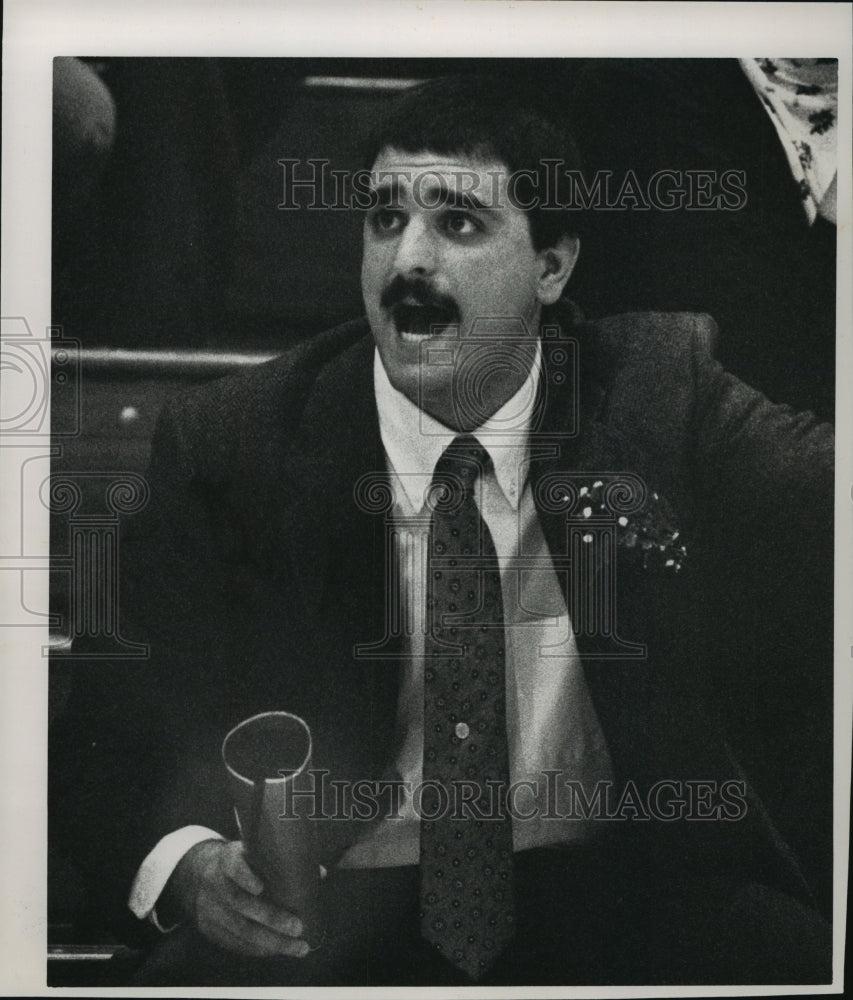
(216, 889)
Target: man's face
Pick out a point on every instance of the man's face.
(445, 250)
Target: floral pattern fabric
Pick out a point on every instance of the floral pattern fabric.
(801, 98)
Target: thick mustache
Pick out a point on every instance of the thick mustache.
(417, 291)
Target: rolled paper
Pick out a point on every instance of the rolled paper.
(267, 757)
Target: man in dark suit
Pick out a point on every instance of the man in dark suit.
(634, 514)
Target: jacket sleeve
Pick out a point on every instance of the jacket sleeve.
(752, 483)
(764, 483)
(136, 753)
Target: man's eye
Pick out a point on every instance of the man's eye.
(461, 224)
(387, 220)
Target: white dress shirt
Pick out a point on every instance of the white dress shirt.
(551, 722)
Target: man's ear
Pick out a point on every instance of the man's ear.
(558, 262)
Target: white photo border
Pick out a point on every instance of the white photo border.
(37, 30)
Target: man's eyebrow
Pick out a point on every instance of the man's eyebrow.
(466, 200)
(388, 193)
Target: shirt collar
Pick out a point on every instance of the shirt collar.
(414, 441)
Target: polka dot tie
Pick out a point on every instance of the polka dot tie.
(467, 895)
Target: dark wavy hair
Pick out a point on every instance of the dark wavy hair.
(485, 117)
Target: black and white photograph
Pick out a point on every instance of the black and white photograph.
(424, 540)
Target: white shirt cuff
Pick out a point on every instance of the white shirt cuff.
(156, 870)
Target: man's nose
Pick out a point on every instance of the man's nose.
(416, 250)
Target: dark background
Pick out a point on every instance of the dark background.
(168, 233)
(182, 243)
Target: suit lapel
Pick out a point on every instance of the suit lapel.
(335, 445)
(573, 447)
(336, 545)
(610, 600)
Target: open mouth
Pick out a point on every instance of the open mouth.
(417, 321)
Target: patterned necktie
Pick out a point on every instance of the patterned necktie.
(467, 893)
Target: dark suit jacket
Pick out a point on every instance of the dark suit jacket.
(254, 572)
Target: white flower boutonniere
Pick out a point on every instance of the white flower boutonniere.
(649, 529)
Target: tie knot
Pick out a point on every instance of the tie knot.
(461, 464)
(464, 457)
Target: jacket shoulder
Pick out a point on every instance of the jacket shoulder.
(648, 365)
(648, 360)
(289, 374)
(264, 404)
(642, 341)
